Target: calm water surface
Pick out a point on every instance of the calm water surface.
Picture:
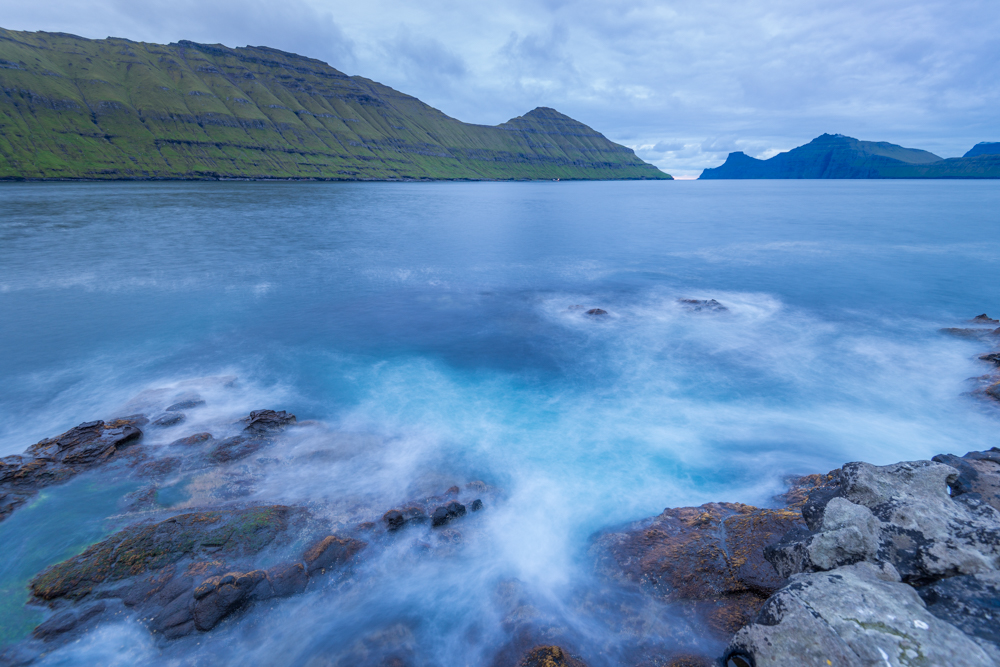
(437, 318)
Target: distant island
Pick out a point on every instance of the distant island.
(837, 156)
(114, 109)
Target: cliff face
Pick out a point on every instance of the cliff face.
(116, 109)
(837, 156)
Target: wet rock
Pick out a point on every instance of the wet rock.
(975, 334)
(396, 519)
(970, 602)
(288, 579)
(68, 620)
(594, 312)
(698, 305)
(266, 421)
(978, 473)
(185, 405)
(710, 557)
(169, 419)
(984, 319)
(158, 467)
(216, 599)
(550, 656)
(146, 548)
(476, 505)
(235, 448)
(330, 552)
(447, 513)
(993, 358)
(55, 460)
(855, 616)
(196, 439)
(901, 514)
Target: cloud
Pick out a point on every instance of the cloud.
(765, 74)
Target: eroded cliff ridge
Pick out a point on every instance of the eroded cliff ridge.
(116, 109)
(838, 156)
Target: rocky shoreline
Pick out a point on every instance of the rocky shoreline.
(865, 565)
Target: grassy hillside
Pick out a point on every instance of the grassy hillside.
(115, 109)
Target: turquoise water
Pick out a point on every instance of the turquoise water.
(435, 319)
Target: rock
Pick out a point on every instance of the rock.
(288, 579)
(55, 460)
(711, 553)
(447, 513)
(196, 439)
(984, 319)
(978, 473)
(993, 358)
(185, 405)
(223, 596)
(970, 602)
(596, 312)
(235, 448)
(68, 620)
(976, 334)
(851, 617)
(158, 467)
(396, 519)
(476, 505)
(917, 527)
(331, 551)
(550, 656)
(169, 419)
(698, 305)
(148, 548)
(266, 421)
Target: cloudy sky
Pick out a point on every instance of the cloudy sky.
(683, 83)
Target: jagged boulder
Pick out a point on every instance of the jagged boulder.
(855, 616)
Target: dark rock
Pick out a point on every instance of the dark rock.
(698, 305)
(550, 656)
(235, 448)
(159, 467)
(196, 439)
(396, 519)
(596, 311)
(56, 460)
(68, 620)
(978, 473)
(227, 594)
(330, 552)
(970, 602)
(169, 419)
(476, 505)
(984, 319)
(148, 548)
(185, 405)
(266, 421)
(447, 513)
(288, 579)
(976, 334)
(993, 358)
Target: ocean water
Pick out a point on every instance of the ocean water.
(432, 331)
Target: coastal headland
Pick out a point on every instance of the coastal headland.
(114, 109)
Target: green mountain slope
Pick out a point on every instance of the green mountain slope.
(837, 156)
(115, 109)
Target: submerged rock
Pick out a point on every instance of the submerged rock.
(698, 305)
(55, 460)
(550, 656)
(595, 312)
(447, 513)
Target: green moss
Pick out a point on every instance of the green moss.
(113, 109)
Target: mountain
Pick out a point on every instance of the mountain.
(837, 156)
(984, 148)
(116, 109)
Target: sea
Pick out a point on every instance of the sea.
(438, 333)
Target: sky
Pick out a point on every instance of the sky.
(682, 83)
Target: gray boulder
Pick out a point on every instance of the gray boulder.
(856, 616)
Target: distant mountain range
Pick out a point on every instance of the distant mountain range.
(116, 109)
(837, 156)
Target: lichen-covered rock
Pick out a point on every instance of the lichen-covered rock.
(856, 616)
(924, 532)
(710, 556)
(970, 602)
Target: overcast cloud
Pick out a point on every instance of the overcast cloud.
(683, 83)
